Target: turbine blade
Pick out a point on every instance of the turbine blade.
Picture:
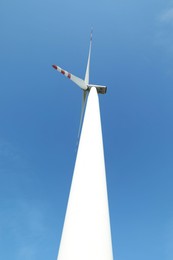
(88, 63)
(80, 82)
(84, 96)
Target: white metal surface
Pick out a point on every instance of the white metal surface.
(88, 63)
(86, 233)
(78, 81)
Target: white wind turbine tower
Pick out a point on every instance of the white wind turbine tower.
(86, 233)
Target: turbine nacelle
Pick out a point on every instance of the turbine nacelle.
(100, 89)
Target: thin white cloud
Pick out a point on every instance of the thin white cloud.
(167, 16)
(163, 34)
(169, 240)
(9, 156)
(27, 252)
(23, 224)
(31, 231)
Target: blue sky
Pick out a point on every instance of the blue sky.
(132, 55)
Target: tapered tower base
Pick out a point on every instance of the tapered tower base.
(86, 233)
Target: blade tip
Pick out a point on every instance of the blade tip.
(91, 35)
(54, 66)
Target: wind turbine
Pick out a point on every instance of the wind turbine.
(83, 84)
(86, 233)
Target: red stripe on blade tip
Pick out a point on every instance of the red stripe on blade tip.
(54, 66)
